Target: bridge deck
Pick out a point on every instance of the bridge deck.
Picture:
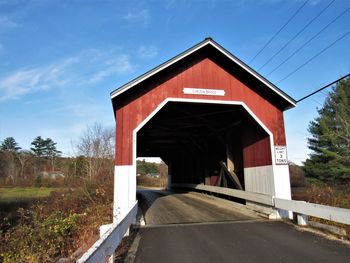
(190, 228)
(162, 208)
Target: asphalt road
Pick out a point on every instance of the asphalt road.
(176, 233)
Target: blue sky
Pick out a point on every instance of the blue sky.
(59, 60)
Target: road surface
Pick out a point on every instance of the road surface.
(189, 228)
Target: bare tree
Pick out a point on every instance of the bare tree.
(97, 145)
(23, 157)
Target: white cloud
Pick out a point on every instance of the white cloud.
(147, 52)
(118, 65)
(98, 65)
(87, 68)
(5, 22)
(84, 111)
(142, 17)
(26, 81)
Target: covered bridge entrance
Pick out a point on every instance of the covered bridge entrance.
(212, 120)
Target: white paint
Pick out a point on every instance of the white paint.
(281, 179)
(104, 247)
(104, 229)
(336, 214)
(206, 92)
(123, 185)
(192, 50)
(132, 185)
(268, 212)
(302, 220)
(282, 182)
(281, 155)
(259, 179)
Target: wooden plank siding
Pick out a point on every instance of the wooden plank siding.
(201, 72)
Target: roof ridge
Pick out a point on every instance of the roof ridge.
(187, 52)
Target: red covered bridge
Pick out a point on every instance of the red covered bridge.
(214, 121)
(211, 118)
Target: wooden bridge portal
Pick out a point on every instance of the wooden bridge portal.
(205, 113)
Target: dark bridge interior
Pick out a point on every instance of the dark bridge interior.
(193, 138)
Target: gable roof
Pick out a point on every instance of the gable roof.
(207, 41)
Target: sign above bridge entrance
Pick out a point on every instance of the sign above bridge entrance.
(208, 92)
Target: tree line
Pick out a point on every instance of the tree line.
(93, 158)
(14, 160)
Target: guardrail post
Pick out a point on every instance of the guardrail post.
(302, 219)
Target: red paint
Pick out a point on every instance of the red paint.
(135, 105)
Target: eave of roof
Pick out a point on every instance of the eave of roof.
(205, 42)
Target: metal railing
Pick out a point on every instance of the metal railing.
(109, 241)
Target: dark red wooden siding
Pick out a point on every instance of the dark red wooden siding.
(203, 74)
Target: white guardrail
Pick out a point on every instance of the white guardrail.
(340, 215)
(109, 241)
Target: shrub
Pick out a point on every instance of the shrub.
(297, 177)
(59, 225)
(39, 239)
(328, 194)
(146, 181)
(37, 181)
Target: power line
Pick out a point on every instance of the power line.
(319, 103)
(273, 37)
(296, 35)
(307, 42)
(324, 93)
(313, 57)
(324, 87)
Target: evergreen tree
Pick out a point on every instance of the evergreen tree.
(9, 144)
(330, 141)
(39, 146)
(45, 148)
(50, 148)
(144, 167)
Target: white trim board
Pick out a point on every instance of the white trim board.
(275, 170)
(190, 51)
(162, 104)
